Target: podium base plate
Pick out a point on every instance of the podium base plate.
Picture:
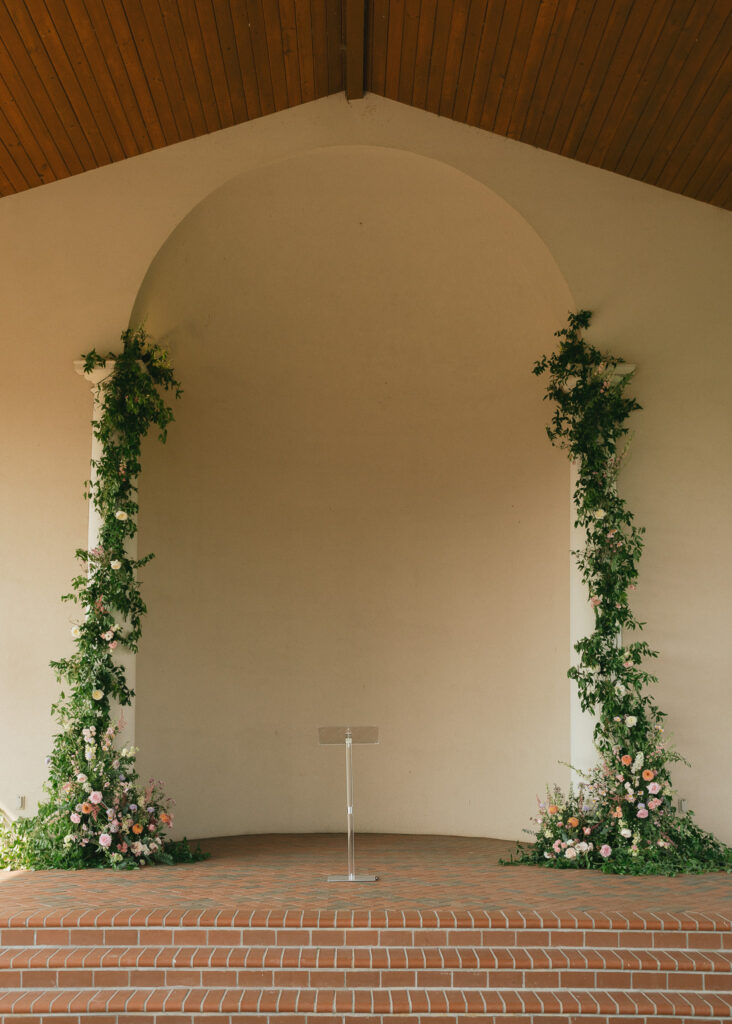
(353, 878)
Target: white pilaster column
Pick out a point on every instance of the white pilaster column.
(96, 378)
(582, 754)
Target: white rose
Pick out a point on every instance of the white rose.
(115, 564)
(75, 632)
(97, 694)
(625, 833)
(570, 853)
(630, 721)
(119, 514)
(600, 513)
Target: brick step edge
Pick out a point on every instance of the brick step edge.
(256, 1018)
(380, 958)
(361, 1002)
(106, 978)
(238, 917)
(264, 1018)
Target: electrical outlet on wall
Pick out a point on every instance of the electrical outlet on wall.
(20, 802)
(683, 804)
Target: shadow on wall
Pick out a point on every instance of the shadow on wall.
(356, 518)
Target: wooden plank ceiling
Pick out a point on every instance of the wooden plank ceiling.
(639, 87)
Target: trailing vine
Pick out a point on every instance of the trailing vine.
(97, 813)
(622, 817)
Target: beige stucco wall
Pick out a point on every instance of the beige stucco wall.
(363, 524)
(652, 265)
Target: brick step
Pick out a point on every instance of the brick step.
(523, 958)
(651, 937)
(361, 1002)
(643, 981)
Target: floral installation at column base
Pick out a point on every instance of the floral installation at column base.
(622, 817)
(98, 814)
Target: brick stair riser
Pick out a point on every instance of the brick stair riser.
(642, 981)
(385, 937)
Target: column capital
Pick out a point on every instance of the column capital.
(96, 375)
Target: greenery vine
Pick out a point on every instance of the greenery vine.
(97, 813)
(622, 817)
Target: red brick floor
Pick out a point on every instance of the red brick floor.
(256, 935)
(289, 872)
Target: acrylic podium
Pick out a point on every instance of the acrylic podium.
(349, 735)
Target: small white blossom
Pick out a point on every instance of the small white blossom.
(115, 564)
(630, 721)
(75, 632)
(121, 515)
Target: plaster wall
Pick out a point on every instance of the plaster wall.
(653, 266)
(355, 533)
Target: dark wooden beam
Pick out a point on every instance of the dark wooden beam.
(354, 22)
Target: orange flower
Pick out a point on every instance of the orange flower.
(553, 809)
(137, 829)
(86, 808)
(626, 759)
(648, 774)
(165, 818)
(572, 822)
(618, 812)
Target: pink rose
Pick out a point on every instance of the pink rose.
(654, 788)
(95, 797)
(105, 840)
(594, 601)
(76, 818)
(605, 851)
(642, 812)
(112, 645)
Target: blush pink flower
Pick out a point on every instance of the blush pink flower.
(95, 797)
(105, 840)
(76, 818)
(112, 645)
(654, 788)
(594, 601)
(605, 850)
(642, 812)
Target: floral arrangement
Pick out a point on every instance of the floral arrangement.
(622, 817)
(97, 813)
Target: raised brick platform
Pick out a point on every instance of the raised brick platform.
(76, 948)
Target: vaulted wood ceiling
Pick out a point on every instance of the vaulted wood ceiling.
(640, 87)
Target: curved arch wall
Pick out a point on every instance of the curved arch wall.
(355, 518)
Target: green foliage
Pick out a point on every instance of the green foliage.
(623, 817)
(97, 813)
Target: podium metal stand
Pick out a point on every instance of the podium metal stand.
(349, 735)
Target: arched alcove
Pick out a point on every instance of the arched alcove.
(356, 518)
